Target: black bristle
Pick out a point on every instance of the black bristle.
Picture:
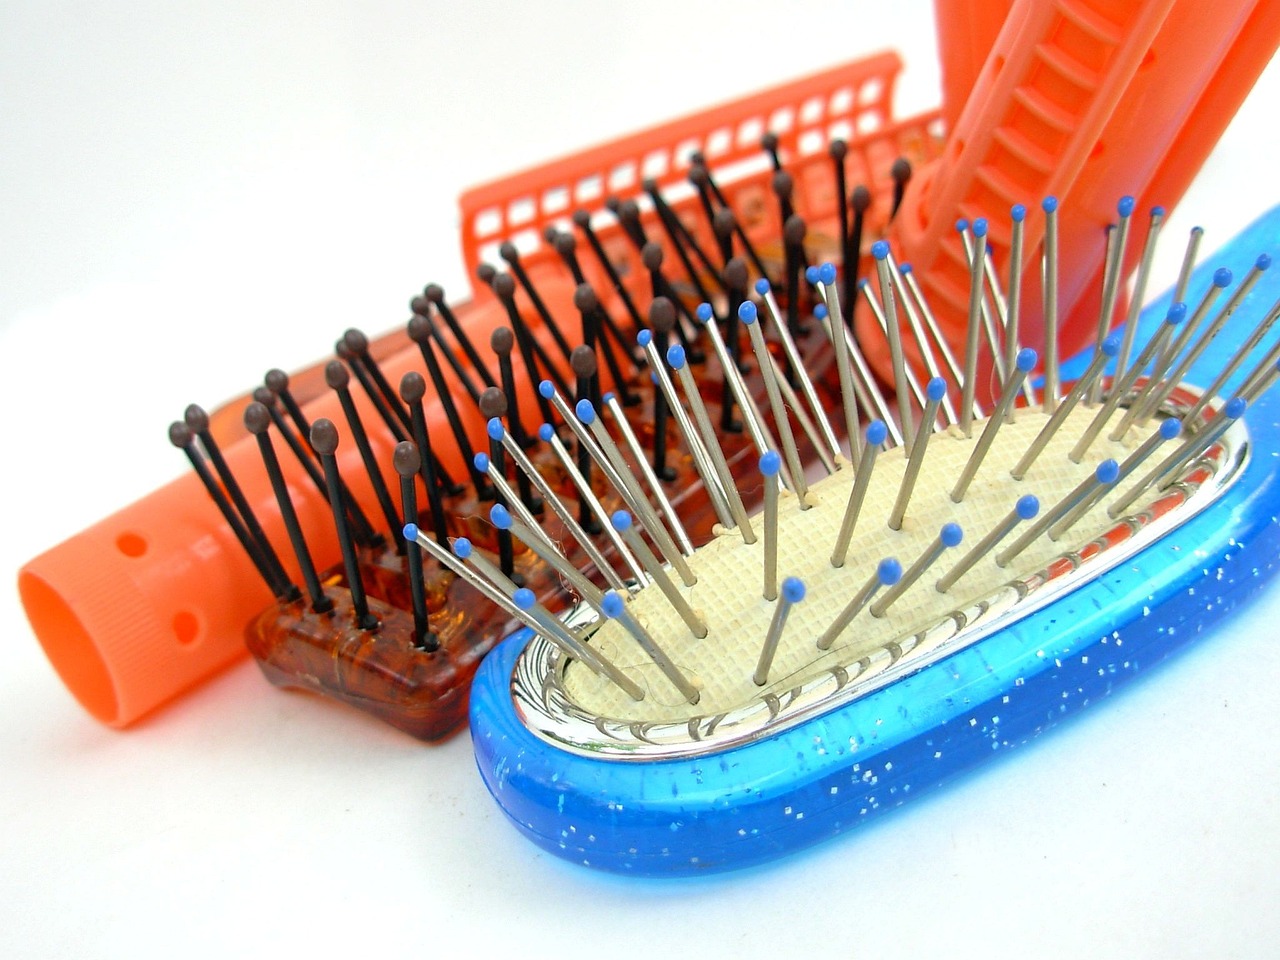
(181, 436)
(324, 440)
(511, 255)
(408, 462)
(336, 376)
(257, 420)
(412, 389)
(435, 294)
(419, 330)
(198, 422)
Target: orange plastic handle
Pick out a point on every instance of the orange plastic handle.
(1088, 102)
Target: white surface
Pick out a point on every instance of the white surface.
(180, 177)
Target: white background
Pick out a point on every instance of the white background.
(179, 179)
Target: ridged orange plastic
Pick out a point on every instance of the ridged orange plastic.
(1086, 100)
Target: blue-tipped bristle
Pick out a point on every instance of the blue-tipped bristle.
(888, 571)
(500, 516)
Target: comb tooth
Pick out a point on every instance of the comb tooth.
(1025, 509)
(1109, 348)
(880, 251)
(717, 466)
(1103, 476)
(324, 440)
(548, 435)
(182, 437)
(801, 374)
(888, 572)
(1168, 430)
(747, 314)
(770, 464)
(875, 436)
(419, 330)
(1024, 364)
(949, 536)
(1116, 244)
(412, 389)
(657, 574)
(511, 256)
(498, 432)
(1139, 297)
(615, 608)
(898, 278)
(792, 593)
(435, 294)
(1049, 266)
(408, 462)
(338, 379)
(937, 391)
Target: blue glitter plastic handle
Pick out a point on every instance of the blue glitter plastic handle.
(820, 778)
